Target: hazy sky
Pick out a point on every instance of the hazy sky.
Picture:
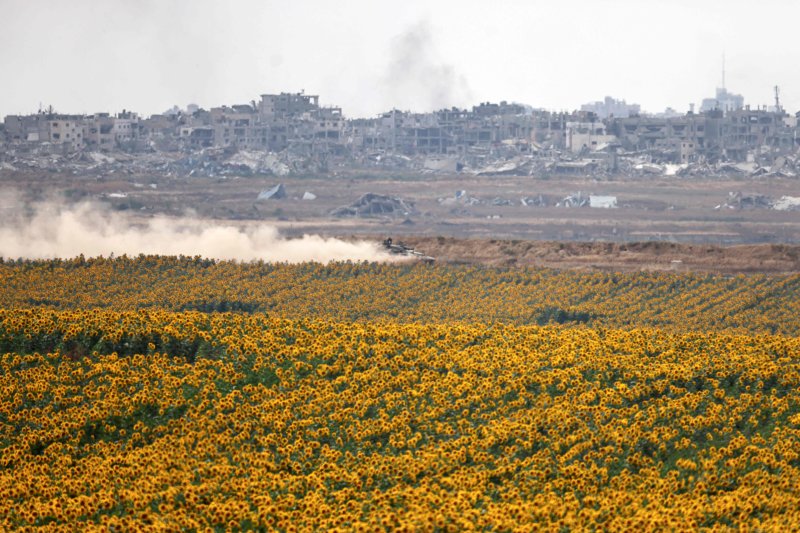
(367, 56)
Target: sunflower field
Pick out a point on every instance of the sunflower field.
(183, 394)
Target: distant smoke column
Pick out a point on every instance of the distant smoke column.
(416, 80)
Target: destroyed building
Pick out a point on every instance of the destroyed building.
(490, 138)
(70, 133)
(610, 107)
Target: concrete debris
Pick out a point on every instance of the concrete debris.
(787, 203)
(277, 192)
(582, 167)
(309, 196)
(739, 200)
(473, 201)
(372, 204)
(675, 170)
(651, 168)
(98, 158)
(738, 168)
(461, 198)
(505, 157)
(501, 202)
(442, 165)
(291, 133)
(574, 200)
(534, 201)
(389, 160)
(204, 162)
(517, 166)
(603, 202)
(259, 163)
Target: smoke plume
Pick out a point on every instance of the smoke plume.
(417, 79)
(52, 229)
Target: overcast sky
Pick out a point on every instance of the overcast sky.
(368, 56)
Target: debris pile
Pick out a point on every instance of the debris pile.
(787, 203)
(278, 192)
(371, 204)
(501, 202)
(516, 166)
(257, 163)
(534, 201)
(205, 162)
(574, 200)
(496, 160)
(603, 202)
(740, 200)
(461, 198)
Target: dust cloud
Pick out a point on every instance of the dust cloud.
(417, 79)
(52, 229)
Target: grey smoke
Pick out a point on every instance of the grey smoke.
(417, 78)
(53, 229)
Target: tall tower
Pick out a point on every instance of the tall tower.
(723, 70)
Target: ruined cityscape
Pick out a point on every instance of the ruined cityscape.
(722, 173)
(293, 133)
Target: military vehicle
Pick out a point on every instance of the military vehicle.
(401, 249)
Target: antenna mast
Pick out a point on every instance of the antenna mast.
(723, 70)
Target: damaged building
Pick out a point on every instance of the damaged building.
(607, 136)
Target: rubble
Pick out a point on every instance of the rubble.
(516, 166)
(292, 134)
(538, 201)
(461, 198)
(258, 163)
(473, 201)
(277, 192)
(501, 202)
(442, 165)
(309, 196)
(505, 157)
(675, 170)
(204, 162)
(650, 168)
(574, 200)
(371, 204)
(739, 200)
(787, 203)
(389, 160)
(603, 202)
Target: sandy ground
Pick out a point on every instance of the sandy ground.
(648, 256)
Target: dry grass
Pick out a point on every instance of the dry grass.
(765, 258)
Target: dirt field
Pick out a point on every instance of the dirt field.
(660, 223)
(649, 256)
